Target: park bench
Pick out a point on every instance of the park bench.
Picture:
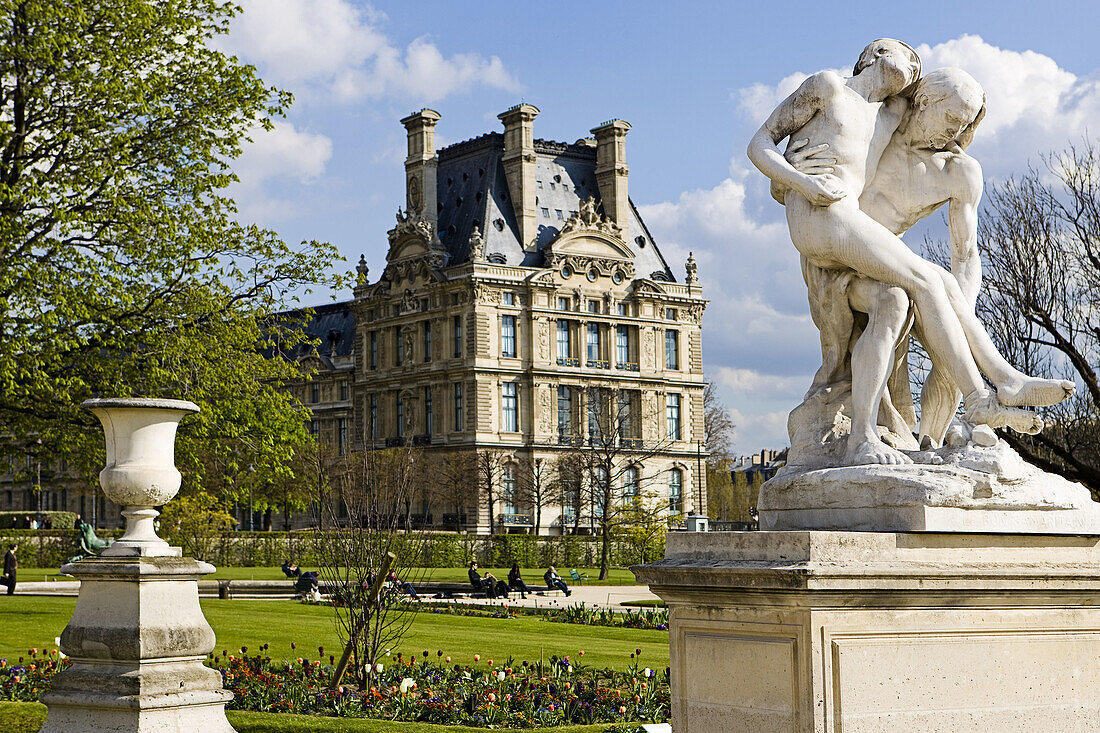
(227, 589)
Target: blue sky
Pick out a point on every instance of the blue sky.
(694, 79)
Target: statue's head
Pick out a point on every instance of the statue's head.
(947, 104)
(897, 62)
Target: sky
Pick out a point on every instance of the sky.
(694, 79)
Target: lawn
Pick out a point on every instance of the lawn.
(29, 717)
(533, 576)
(30, 621)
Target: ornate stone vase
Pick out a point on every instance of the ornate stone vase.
(141, 471)
(137, 638)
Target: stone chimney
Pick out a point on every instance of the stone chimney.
(420, 165)
(519, 166)
(611, 171)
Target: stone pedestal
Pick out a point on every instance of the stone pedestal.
(137, 640)
(859, 631)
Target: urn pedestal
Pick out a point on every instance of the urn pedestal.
(815, 631)
(137, 638)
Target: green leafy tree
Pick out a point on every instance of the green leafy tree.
(123, 267)
(196, 523)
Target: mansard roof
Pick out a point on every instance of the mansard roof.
(332, 325)
(472, 189)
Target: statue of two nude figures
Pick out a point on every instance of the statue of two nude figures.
(868, 157)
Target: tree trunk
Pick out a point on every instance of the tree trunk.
(605, 550)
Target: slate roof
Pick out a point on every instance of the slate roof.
(332, 325)
(472, 188)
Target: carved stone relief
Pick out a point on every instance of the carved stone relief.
(544, 341)
(544, 418)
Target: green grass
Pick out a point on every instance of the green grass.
(26, 717)
(533, 576)
(30, 621)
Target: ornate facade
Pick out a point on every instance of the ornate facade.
(521, 295)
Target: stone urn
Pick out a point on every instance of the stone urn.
(141, 470)
(137, 638)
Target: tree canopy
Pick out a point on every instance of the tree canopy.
(124, 268)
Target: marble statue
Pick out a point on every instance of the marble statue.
(868, 157)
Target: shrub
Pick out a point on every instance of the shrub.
(58, 520)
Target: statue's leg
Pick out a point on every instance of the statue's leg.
(939, 401)
(1014, 388)
(887, 309)
(844, 235)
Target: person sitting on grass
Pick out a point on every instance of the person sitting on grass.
(291, 570)
(554, 581)
(400, 585)
(515, 582)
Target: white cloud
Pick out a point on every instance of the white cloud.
(283, 155)
(1033, 105)
(760, 346)
(760, 342)
(335, 47)
(283, 151)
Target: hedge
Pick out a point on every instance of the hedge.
(58, 520)
(437, 550)
(46, 548)
(50, 548)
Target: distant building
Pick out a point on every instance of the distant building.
(523, 305)
(522, 302)
(733, 504)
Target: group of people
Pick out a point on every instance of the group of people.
(500, 589)
(307, 583)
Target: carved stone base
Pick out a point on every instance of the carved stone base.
(137, 640)
(859, 632)
(963, 489)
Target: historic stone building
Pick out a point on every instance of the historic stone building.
(522, 300)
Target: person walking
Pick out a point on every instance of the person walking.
(11, 564)
(554, 581)
(515, 582)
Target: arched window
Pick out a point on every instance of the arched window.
(676, 491)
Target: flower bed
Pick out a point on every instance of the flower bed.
(578, 613)
(432, 690)
(28, 678)
(424, 689)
